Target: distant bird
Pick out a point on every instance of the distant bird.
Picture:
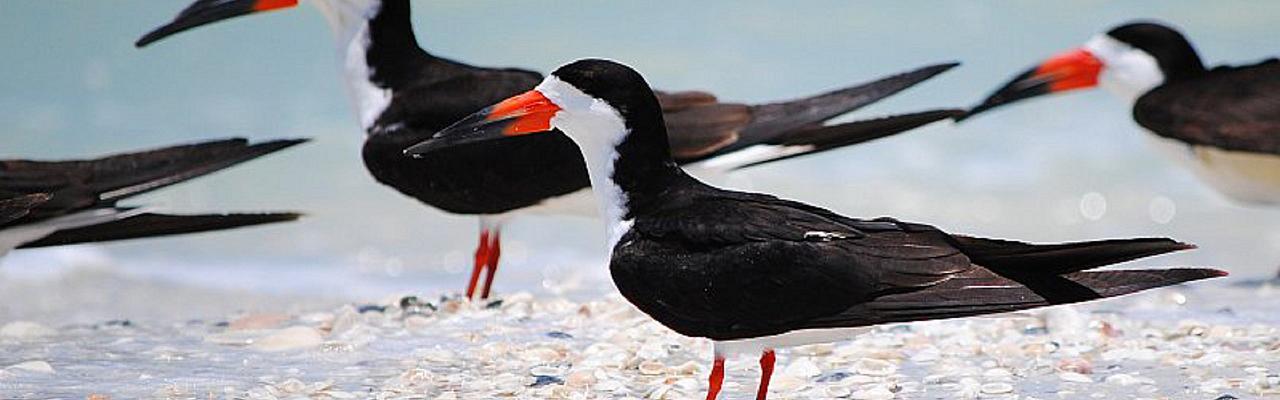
(1223, 122)
(403, 95)
(753, 272)
(50, 203)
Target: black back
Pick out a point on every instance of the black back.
(1178, 60)
(1231, 108)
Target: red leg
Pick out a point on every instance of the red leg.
(766, 372)
(495, 251)
(482, 257)
(717, 378)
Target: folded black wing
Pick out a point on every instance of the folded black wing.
(101, 182)
(1231, 108)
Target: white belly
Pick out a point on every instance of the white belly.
(754, 346)
(1252, 178)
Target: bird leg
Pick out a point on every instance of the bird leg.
(717, 378)
(482, 258)
(766, 372)
(495, 251)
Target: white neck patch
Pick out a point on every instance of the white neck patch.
(1127, 72)
(349, 21)
(597, 128)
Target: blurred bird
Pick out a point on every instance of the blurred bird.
(50, 203)
(404, 94)
(753, 272)
(1223, 122)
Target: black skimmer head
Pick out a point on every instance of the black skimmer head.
(346, 17)
(1128, 60)
(593, 101)
(371, 73)
(607, 109)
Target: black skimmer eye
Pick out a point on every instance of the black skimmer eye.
(204, 12)
(1070, 70)
(526, 113)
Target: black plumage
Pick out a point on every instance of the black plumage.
(428, 93)
(154, 224)
(726, 265)
(1231, 108)
(731, 266)
(52, 189)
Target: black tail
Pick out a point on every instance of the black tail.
(983, 293)
(825, 138)
(1004, 256)
(136, 173)
(149, 225)
(115, 177)
(769, 121)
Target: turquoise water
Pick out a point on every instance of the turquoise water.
(73, 85)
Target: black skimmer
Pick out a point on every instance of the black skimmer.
(50, 203)
(753, 272)
(1222, 122)
(404, 94)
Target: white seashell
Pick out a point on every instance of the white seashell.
(802, 367)
(785, 383)
(997, 388)
(997, 373)
(292, 338)
(32, 366)
(875, 393)
(25, 330)
(652, 350)
(610, 386)
(688, 368)
(257, 322)
(447, 396)
(546, 370)
(291, 386)
(580, 379)
(651, 367)
(659, 393)
(1075, 377)
(837, 391)
(874, 367)
(820, 349)
(1122, 380)
(969, 388)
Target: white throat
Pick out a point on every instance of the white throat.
(597, 129)
(349, 21)
(1127, 72)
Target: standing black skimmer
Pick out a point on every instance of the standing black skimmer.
(403, 95)
(1222, 122)
(50, 203)
(753, 272)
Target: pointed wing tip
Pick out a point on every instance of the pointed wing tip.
(947, 65)
(272, 146)
(278, 216)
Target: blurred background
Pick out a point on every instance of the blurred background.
(1070, 167)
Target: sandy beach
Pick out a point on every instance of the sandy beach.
(1214, 341)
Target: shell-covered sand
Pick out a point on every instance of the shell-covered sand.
(1194, 342)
